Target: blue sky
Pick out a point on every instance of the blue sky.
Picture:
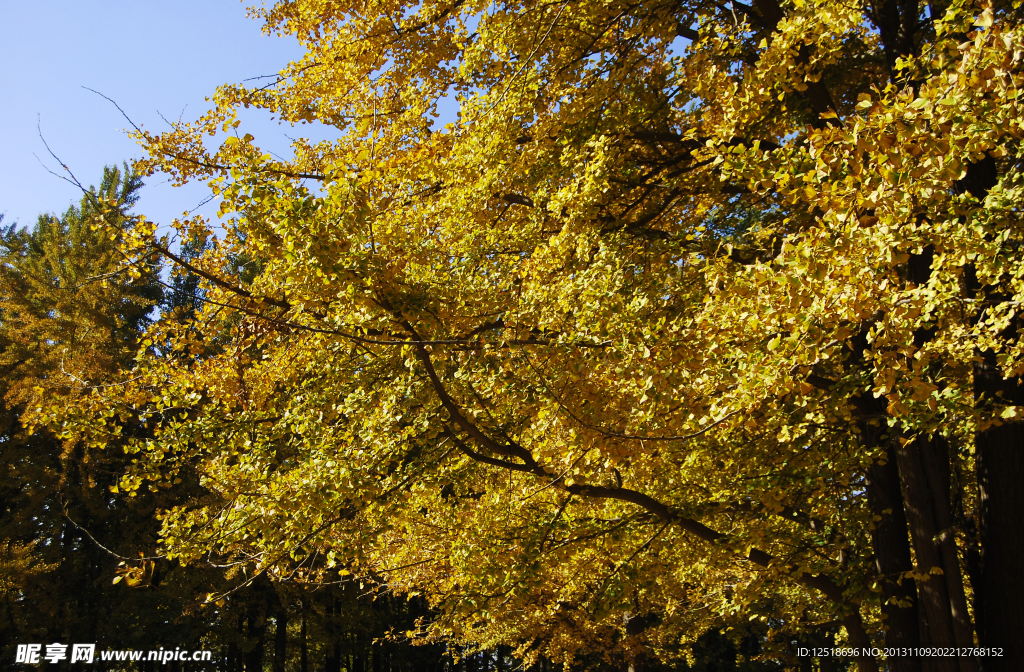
(151, 57)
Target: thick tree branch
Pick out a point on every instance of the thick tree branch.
(223, 284)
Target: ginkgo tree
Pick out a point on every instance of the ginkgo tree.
(693, 315)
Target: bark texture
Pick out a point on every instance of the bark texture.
(1000, 465)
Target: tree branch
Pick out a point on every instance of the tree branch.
(822, 584)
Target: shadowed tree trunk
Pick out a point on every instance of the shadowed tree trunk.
(890, 538)
(943, 604)
(890, 544)
(257, 632)
(1000, 465)
(999, 460)
(333, 659)
(280, 638)
(303, 641)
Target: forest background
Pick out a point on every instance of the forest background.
(690, 339)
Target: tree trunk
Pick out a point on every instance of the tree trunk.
(933, 594)
(828, 663)
(304, 643)
(257, 631)
(280, 638)
(499, 661)
(333, 662)
(924, 476)
(935, 456)
(1000, 464)
(891, 546)
(999, 461)
(234, 652)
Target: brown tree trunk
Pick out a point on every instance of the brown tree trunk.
(933, 594)
(333, 661)
(891, 546)
(999, 461)
(935, 456)
(1000, 464)
(890, 537)
(235, 663)
(303, 641)
(828, 663)
(280, 638)
(257, 631)
(924, 466)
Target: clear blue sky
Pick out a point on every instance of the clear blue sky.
(148, 56)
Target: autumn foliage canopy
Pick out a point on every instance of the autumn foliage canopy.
(694, 315)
